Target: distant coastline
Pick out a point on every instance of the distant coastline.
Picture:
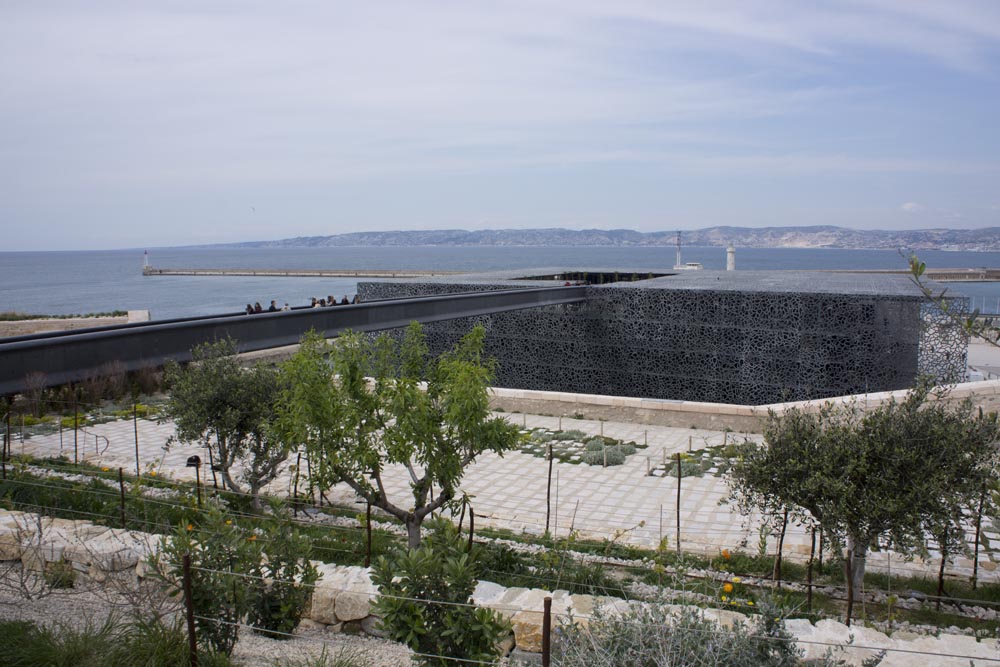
(819, 237)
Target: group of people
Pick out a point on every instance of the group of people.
(273, 308)
(330, 300)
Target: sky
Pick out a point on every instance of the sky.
(131, 124)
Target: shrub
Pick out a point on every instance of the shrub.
(595, 444)
(284, 580)
(222, 556)
(425, 598)
(572, 434)
(59, 574)
(613, 455)
(656, 634)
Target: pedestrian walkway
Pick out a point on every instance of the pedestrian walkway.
(618, 503)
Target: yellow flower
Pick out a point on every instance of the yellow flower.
(229, 522)
(152, 473)
(251, 538)
(750, 602)
(724, 598)
(727, 587)
(725, 554)
(736, 580)
(105, 469)
(190, 527)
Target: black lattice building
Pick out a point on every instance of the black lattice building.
(745, 337)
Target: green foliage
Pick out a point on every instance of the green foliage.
(219, 404)
(222, 555)
(345, 657)
(261, 575)
(571, 434)
(353, 428)
(59, 574)
(137, 643)
(612, 456)
(284, 578)
(657, 634)
(426, 602)
(902, 472)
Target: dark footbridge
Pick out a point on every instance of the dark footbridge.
(71, 356)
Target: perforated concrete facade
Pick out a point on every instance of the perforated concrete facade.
(736, 337)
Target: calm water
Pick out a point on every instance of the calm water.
(93, 281)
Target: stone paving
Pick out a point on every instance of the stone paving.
(621, 503)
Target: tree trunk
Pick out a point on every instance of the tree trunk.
(854, 572)
(412, 532)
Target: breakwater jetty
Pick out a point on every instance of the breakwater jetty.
(298, 273)
(941, 275)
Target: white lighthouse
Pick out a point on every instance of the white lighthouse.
(730, 258)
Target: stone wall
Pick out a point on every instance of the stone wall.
(716, 416)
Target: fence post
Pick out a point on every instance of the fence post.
(121, 489)
(368, 530)
(189, 605)
(548, 490)
(472, 525)
(295, 492)
(979, 525)
(809, 572)
(76, 429)
(546, 631)
(678, 503)
(135, 432)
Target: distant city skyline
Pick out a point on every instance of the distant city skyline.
(127, 125)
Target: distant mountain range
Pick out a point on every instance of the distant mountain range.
(745, 237)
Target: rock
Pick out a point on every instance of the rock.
(322, 609)
(486, 592)
(354, 603)
(520, 657)
(372, 625)
(307, 625)
(527, 627)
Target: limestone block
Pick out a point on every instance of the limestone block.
(486, 592)
(863, 636)
(527, 623)
(504, 603)
(527, 627)
(724, 617)
(324, 604)
(354, 603)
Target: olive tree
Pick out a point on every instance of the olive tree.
(360, 406)
(901, 472)
(227, 407)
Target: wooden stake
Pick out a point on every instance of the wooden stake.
(678, 503)
(135, 431)
(548, 490)
(189, 605)
(979, 525)
(809, 572)
(368, 530)
(121, 489)
(546, 631)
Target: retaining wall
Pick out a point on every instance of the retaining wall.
(343, 596)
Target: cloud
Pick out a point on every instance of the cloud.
(912, 207)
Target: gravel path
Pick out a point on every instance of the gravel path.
(78, 606)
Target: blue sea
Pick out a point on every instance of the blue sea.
(95, 281)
